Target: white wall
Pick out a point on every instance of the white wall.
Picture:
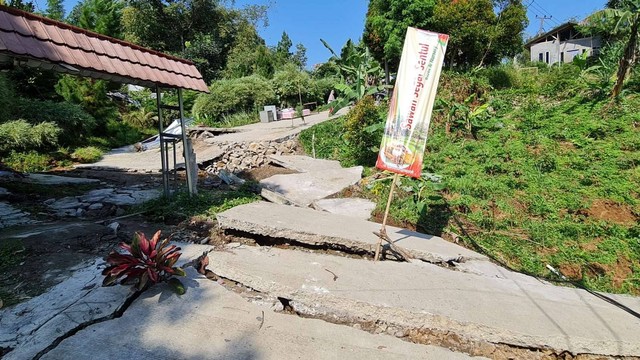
(570, 48)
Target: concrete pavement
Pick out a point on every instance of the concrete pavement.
(75, 321)
(149, 161)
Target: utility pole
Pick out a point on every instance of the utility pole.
(542, 19)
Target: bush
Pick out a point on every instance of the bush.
(140, 119)
(75, 124)
(119, 134)
(20, 135)
(6, 99)
(359, 134)
(85, 155)
(231, 96)
(28, 162)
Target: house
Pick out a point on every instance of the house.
(562, 44)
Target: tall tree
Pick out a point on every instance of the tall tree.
(284, 46)
(386, 25)
(300, 56)
(101, 16)
(55, 10)
(479, 35)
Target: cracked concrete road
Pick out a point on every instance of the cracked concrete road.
(479, 311)
(208, 322)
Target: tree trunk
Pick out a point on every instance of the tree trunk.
(627, 57)
(386, 76)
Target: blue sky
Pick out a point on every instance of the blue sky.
(306, 21)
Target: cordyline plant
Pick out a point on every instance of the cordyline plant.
(144, 263)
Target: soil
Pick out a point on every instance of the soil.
(38, 256)
(610, 211)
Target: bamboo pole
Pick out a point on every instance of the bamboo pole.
(383, 230)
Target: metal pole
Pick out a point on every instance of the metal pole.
(185, 148)
(165, 175)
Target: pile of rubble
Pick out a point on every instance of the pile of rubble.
(242, 156)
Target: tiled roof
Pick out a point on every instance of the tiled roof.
(39, 41)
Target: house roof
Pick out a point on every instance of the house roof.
(40, 42)
(561, 27)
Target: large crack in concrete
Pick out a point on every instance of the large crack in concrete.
(332, 248)
(114, 315)
(420, 335)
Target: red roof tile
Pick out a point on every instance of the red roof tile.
(28, 36)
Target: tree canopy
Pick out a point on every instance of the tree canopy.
(481, 31)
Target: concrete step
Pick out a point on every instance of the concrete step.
(480, 315)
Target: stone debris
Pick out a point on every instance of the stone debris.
(352, 207)
(302, 163)
(4, 192)
(97, 200)
(241, 156)
(10, 216)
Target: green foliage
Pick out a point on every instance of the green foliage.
(478, 35)
(55, 10)
(232, 96)
(144, 263)
(101, 16)
(386, 24)
(361, 74)
(326, 141)
(75, 124)
(364, 140)
(527, 188)
(28, 162)
(289, 84)
(7, 97)
(21, 135)
(119, 134)
(89, 94)
(205, 204)
(87, 155)
(141, 119)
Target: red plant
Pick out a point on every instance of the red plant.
(145, 262)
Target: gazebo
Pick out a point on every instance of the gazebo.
(31, 40)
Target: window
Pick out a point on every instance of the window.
(562, 56)
(540, 58)
(547, 57)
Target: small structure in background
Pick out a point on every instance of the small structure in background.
(30, 40)
(562, 44)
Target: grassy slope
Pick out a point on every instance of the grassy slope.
(545, 182)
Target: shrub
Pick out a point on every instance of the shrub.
(6, 99)
(140, 119)
(74, 122)
(20, 135)
(28, 162)
(360, 133)
(290, 83)
(87, 154)
(234, 95)
(120, 134)
(144, 263)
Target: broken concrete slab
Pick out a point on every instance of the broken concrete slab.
(476, 314)
(302, 163)
(48, 179)
(304, 188)
(30, 327)
(4, 192)
(316, 228)
(11, 216)
(352, 207)
(76, 206)
(170, 327)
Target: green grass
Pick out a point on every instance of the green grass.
(87, 155)
(206, 204)
(526, 187)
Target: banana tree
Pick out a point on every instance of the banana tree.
(361, 74)
(621, 19)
